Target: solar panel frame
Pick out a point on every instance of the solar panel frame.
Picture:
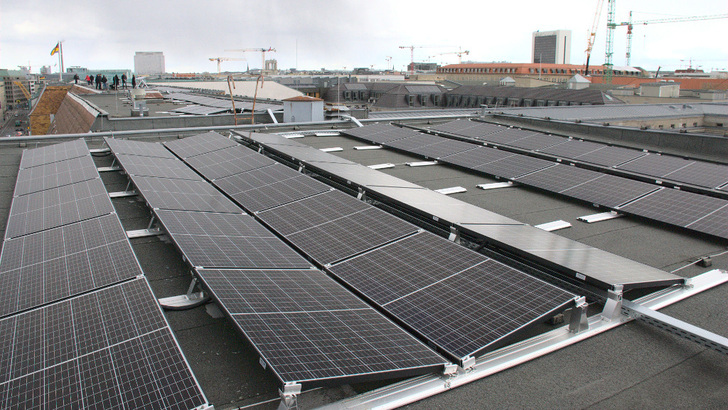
(514, 166)
(55, 174)
(66, 261)
(183, 194)
(139, 148)
(57, 206)
(610, 190)
(228, 161)
(536, 141)
(258, 190)
(393, 277)
(676, 207)
(171, 168)
(416, 141)
(53, 153)
(444, 148)
(53, 363)
(701, 173)
(655, 165)
(611, 156)
(558, 177)
(199, 144)
(572, 148)
(476, 157)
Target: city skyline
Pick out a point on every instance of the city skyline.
(308, 36)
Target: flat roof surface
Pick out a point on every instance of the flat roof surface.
(634, 365)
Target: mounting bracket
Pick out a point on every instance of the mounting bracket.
(454, 235)
(579, 322)
(184, 301)
(289, 396)
(613, 308)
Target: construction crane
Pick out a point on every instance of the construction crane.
(221, 59)
(630, 25)
(259, 50)
(412, 55)
(459, 54)
(593, 33)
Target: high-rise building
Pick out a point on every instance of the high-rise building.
(551, 47)
(149, 62)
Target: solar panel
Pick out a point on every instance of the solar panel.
(53, 153)
(459, 300)
(498, 135)
(476, 157)
(242, 244)
(701, 173)
(558, 178)
(268, 187)
(444, 148)
(57, 263)
(57, 206)
(583, 262)
(228, 161)
(140, 148)
(111, 348)
(415, 141)
(611, 156)
(182, 194)
(678, 208)
(610, 191)
(381, 133)
(572, 148)
(655, 165)
(199, 144)
(309, 330)
(156, 167)
(55, 174)
(349, 235)
(714, 223)
(536, 141)
(201, 110)
(514, 166)
(453, 127)
(310, 212)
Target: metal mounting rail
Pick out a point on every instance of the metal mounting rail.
(418, 388)
(676, 326)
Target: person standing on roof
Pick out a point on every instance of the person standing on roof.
(98, 81)
(123, 80)
(75, 78)
(103, 82)
(115, 82)
(133, 81)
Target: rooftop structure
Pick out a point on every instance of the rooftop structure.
(149, 62)
(551, 47)
(338, 224)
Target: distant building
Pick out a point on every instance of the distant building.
(271, 66)
(478, 73)
(422, 67)
(551, 47)
(149, 62)
(661, 89)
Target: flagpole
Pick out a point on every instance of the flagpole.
(60, 60)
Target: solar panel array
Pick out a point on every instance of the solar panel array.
(241, 263)
(338, 230)
(79, 325)
(591, 186)
(564, 255)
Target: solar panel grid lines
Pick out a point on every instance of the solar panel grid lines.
(309, 329)
(457, 299)
(312, 211)
(704, 174)
(182, 194)
(714, 223)
(228, 161)
(381, 133)
(655, 165)
(610, 190)
(156, 167)
(454, 126)
(242, 244)
(349, 235)
(680, 208)
(63, 262)
(251, 190)
(55, 174)
(536, 141)
(610, 156)
(444, 148)
(199, 144)
(415, 141)
(57, 206)
(558, 178)
(139, 148)
(75, 354)
(46, 155)
(514, 166)
(572, 148)
(476, 157)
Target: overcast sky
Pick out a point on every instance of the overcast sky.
(310, 34)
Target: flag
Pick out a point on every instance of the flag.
(56, 49)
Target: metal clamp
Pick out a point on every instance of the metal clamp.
(578, 321)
